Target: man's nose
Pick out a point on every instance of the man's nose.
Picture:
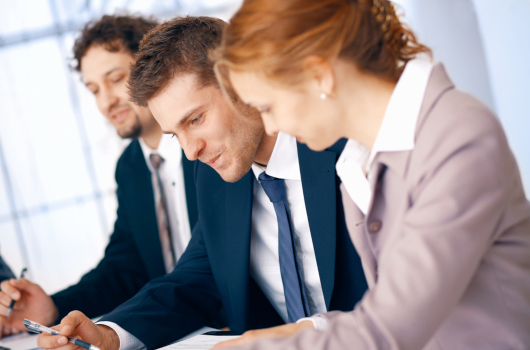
(192, 147)
(108, 99)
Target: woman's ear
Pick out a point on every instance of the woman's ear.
(322, 73)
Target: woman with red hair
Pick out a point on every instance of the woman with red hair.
(432, 193)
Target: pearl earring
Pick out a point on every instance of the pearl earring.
(323, 96)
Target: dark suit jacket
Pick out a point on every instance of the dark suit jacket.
(5, 271)
(214, 269)
(133, 256)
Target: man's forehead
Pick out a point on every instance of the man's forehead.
(180, 92)
(186, 88)
(99, 60)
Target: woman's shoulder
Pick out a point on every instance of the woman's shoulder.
(458, 134)
(457, 117)
(457, 120)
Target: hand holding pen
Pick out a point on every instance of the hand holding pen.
(77, 325)
(6, 302)
(30, 301)
(38, 328)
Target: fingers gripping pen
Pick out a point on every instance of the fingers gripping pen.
(38, 328)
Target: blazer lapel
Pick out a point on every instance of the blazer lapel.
(238, 228)
(355, 220)
(317, 170)
(398, 162)
(438, 84)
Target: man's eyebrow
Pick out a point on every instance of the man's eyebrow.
(187, 116)
(106, 74)
(112, 70)
(184, 119)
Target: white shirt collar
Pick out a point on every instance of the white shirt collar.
(168, 148)
(283, 163)
(396, 132)
(401, 116)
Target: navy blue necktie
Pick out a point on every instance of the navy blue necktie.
(293, 283)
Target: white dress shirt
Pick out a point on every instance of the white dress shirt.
(172, 177)
(264, 257)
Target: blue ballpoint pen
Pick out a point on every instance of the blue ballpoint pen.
(12, 304)
(38, 328)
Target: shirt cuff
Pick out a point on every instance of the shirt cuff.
(320, 323)
(127, 340)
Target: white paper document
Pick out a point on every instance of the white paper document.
(22, 341)
(199, 342)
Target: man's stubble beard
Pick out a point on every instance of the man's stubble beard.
(248, 140)
(133, 131)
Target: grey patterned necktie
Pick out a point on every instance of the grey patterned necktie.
(164, 228)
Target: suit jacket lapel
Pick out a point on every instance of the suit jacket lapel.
(438, 84)
(397, 162)
(355, 220)
(238, 228)
(141, 204)
(318, 170)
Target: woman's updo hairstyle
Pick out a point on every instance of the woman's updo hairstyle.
(274, 37)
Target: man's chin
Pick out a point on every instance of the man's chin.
(230, 176)
(127, 133)
(233, 173)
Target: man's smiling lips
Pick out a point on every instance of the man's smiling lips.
(119, 115)
(213, 161)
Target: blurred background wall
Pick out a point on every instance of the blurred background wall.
(485, 46)
(58, 154)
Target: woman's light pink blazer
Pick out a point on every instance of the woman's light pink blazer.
(445, 244)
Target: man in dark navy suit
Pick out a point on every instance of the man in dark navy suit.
(156, 190)
(270, 245)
